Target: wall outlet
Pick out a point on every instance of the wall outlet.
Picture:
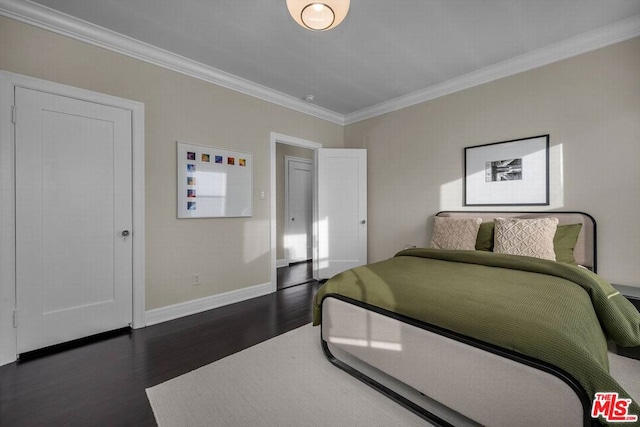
(196, 279)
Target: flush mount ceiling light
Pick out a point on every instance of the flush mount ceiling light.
(318, 15)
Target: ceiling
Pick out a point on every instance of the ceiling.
(383, 52)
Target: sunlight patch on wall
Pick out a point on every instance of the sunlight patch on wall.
(556, 176)
(255, 240)
(451, 195)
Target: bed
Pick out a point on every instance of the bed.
(434, 329)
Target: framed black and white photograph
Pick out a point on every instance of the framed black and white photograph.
(507, 173)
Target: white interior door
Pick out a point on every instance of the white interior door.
(73, 218)
(299, 205)
(341, 223)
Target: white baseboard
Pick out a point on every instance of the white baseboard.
(282, 263)
(171, 312)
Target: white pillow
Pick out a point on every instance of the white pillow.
(527, 237)
(455, 233)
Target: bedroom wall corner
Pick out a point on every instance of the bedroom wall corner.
(590, 106)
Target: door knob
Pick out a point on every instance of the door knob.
(125, 233)
(293, 219)
(363, 222)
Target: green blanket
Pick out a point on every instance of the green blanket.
(557, 313)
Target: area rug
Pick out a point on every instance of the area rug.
(285, 381)
(627, 372)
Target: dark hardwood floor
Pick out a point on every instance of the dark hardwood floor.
(103, 383)
(295, 274)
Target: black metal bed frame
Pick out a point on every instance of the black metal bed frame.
(424, 413)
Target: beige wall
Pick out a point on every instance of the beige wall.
(590, 106)
(229, 254)
(283, 150)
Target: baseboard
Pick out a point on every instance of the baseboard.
(171, 312)
(281, 263)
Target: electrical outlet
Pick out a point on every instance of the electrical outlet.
(196, 279)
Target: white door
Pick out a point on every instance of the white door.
(299, 205)
(341, 223)
(73, 218)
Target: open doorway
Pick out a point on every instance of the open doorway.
(339, 207)
(294, 214)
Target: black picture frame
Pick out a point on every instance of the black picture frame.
(507, 173)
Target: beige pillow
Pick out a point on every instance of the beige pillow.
(526, 237)
(455, 233)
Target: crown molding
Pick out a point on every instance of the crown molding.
(60, 23)
(51, 20)
(617, 32)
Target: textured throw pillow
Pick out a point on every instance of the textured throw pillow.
(455, 233)
(484, 241)
(564, 242)
(526, 237)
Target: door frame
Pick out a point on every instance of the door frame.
(8, 82)
(277, 138)
(287, 159)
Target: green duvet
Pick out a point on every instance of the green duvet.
(557, 313)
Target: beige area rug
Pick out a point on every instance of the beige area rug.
(285, 381)
(627, 372)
